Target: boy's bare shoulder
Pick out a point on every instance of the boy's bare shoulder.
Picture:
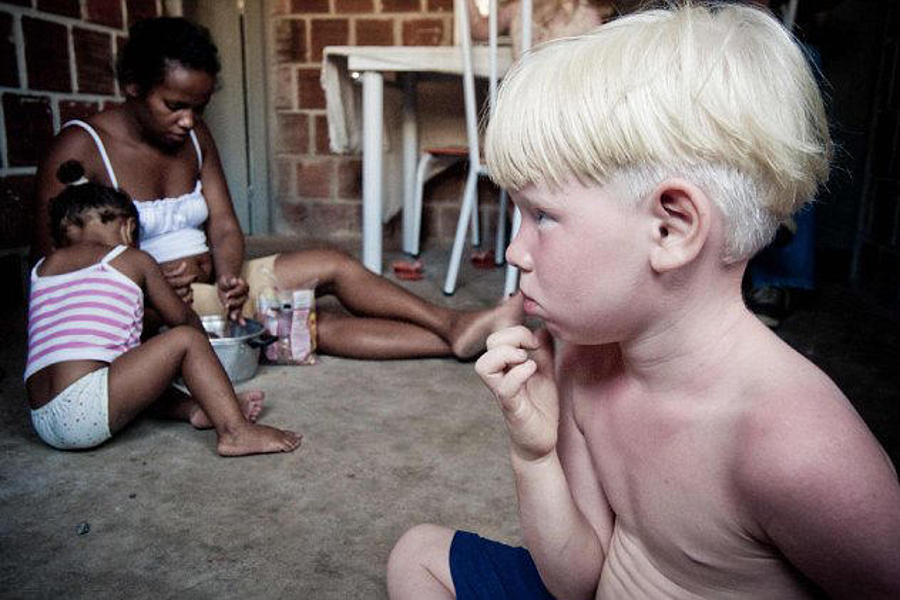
(800, 440)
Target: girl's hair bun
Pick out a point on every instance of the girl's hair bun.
(70, 171)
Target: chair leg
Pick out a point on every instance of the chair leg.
(475, 230)
(412, 242)
(500, 245)
(512, 274)
(459, 241)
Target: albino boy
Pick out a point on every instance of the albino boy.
(664, 442)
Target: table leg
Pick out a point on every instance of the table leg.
(410, 134)
(372, 175)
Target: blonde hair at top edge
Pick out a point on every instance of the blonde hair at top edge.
(718, 93)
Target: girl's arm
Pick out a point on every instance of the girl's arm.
(159, 294)
(226, 239)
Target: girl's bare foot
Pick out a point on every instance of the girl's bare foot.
(250, 402)
(257, 439)
(471, 329)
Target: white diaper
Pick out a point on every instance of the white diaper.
(79, 416)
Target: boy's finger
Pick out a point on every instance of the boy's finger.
(544, 351)
(507, 391)
(497, 361)
(517, 335)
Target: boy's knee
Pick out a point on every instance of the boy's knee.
(419, 545)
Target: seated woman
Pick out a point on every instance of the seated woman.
(156, 147)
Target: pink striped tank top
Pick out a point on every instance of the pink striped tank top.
(94, 313)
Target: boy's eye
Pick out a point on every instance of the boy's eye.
(540, 216)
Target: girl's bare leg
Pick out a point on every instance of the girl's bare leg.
(365, 294)
(140, 376)
(178, 406)
(419, 565)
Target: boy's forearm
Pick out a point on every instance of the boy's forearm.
(562, 542)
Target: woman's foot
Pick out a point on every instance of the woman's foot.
(250, 402)
(257, 439)
(471, 329)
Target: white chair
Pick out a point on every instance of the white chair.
(468, 217)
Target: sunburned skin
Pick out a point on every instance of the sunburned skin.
(671, 467)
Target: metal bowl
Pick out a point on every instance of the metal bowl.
(236, 345)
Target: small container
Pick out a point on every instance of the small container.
(237, 346)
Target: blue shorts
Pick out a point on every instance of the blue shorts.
(483, 569)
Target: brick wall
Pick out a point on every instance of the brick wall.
(56, 64)
(319, 193)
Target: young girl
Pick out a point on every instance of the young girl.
(87, 373)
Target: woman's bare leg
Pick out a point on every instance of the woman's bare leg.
(419, 565)
(141, 376)
(365, 294)
(355, 337)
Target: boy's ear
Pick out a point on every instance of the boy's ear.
(681, 220)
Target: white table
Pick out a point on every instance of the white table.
(344, 127)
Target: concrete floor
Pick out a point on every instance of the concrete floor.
(386, 445)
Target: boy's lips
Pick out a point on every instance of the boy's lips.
(529, 305)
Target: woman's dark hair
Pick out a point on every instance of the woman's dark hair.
(154, 43)
(71, 206)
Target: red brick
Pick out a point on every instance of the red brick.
(46, 55)
(328, 32)
(15, 210)
(349, 179)
(284, 87)
(309, 6)
(29, 128)
(309, 90)
(75, 109)
(423, 32)
(93, 61)
(105, 12)
(401, 5)
(354, 6)
(314, 177)
(9, 67)
(375, 32)
(323, 220)
(140, 9)
(440, 5)
(322, 140)
(293, 133)
(290, 40)
(68, 8)
(279, 7)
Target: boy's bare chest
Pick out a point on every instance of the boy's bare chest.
(665, 468)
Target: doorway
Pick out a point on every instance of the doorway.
(236, 115)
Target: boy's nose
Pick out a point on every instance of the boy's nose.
(516, 254)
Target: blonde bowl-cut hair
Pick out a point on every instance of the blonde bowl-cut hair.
(718, 93)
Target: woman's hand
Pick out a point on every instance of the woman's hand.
(233, 293)
(180, 279)
(518, 369)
